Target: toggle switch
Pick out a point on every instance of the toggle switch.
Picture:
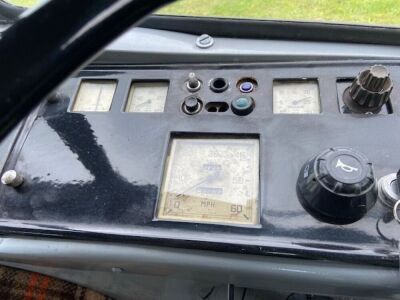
(193, 84)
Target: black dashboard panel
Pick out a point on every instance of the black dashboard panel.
(97, 175)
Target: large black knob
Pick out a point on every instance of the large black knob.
(338, 186)
(369, 91)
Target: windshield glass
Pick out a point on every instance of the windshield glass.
(378, 12)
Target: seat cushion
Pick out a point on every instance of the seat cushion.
(18, 284)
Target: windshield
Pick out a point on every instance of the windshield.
(378, 12)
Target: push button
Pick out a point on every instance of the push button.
(338, 186)
(346, 168)
(242, 106)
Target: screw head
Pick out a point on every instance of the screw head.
(12, 178)
(204, 41)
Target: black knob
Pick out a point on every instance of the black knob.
(242, 105)
(369, 91)
(192, 105)
(338, 186)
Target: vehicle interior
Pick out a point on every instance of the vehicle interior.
(151, 155)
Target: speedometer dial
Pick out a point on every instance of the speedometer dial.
(211, 181)
(296, 97)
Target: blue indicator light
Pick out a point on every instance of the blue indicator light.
(246, 87)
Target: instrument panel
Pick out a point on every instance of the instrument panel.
(207, 157)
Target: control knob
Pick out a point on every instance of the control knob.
(369, 91)
(338, 186)
(192, 105)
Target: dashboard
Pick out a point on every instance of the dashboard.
(256, 162)
(168, 154)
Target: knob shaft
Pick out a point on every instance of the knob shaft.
(338, 186)
(369, 91)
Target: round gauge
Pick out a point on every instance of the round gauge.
(296, 97)
(147, 97)
(211, 181)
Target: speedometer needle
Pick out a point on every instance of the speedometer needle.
(295, 102)
(209, 177)
(145, 102)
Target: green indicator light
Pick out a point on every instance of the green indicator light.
(242, 102)
(242, 106)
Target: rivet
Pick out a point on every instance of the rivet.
(12, 178)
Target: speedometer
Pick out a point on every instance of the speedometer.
(211, 181)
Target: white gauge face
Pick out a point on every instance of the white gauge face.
(296, 97)
(147, 97)
(95, 95)
(211, 181)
